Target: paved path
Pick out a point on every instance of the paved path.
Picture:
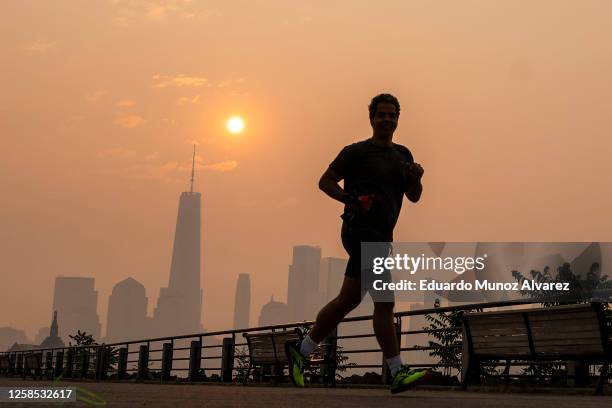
(197, 395)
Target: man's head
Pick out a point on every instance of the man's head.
(384, 114)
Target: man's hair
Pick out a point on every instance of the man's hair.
(383, 98)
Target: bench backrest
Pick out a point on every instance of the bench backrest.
(553, 332)
(269, 347)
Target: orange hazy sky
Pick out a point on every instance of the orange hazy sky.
(506, 105)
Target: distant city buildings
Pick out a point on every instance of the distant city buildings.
(303, 296)
(42, 333)
(273, 313)
(75, 301)
(9, 336)
(242, 301)
(53, 340)
(127, 312)
(331, 277)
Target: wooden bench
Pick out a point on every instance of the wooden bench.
(32, 365)
(6, 365)
(267, 349)
(569, 332)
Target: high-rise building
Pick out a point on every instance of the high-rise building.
(331, 277)
(179, 306)
(303, 297)
(76, 301)
(273, 313)
(242, 302)
(127, 312)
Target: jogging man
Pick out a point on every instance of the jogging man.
(377, 173)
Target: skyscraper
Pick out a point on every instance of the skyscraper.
(242, 302)
(303, 297)
(331, 277)
(127, 311)
(179, 306)
(76, 300)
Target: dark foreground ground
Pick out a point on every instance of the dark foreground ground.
(198, 395)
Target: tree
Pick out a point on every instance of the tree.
(447, 340)
(82, 339)
(447, 343)
(241, 355)
(581, 289)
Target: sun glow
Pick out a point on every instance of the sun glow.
(235, 124)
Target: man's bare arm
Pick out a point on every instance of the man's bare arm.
(329, 185)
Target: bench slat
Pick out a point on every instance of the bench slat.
(544, 336)
(500, 342)
(564, 328)
(508, 331)
(514, 351)
(544, 345)
(483, 318)
(588, 315)
(496, 324)
(564, 350)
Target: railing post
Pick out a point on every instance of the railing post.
(122, 363)
(98, 367)
(59, 363)
(331, 361)
(49, 364)
(143, 362)
(69, 362)
(19, 364)
(101, 362)
(195, 360)
(84, 362)
(12, 362)
(166, 369)
(227, 359)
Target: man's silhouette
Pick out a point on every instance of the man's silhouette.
(377, 173)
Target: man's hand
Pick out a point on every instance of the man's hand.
(414, 172)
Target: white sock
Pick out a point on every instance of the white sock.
(394, 363)
(307, 346)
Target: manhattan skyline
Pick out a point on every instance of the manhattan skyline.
(505, 106)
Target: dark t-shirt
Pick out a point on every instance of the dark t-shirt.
(367, 168)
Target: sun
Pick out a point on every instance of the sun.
(235, 125)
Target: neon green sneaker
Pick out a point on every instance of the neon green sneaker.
(406, 378)
(296, 363)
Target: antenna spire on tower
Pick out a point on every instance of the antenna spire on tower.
(192, 168)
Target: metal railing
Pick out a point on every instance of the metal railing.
(197, 355)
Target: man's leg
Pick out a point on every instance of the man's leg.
(327, 319)
(403, 377)
(332, 314)
(384, 328)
